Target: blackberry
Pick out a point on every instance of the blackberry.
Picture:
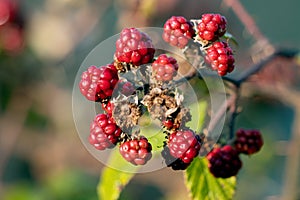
(212, 26)
(104, 133)
(97, 84)
(174, 163)
(136, 151)
(134, 47)
(220, 56)
(184, 144)
(164, 68)
(224, 162)
(248, 141)
(178, 31)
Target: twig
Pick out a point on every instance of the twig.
(233, 110)
(221, 112)
(287, 53)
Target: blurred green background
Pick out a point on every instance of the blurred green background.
(41, 156)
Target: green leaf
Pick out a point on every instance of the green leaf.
(198, 112)
(155, 134)
(229, 37)
(203, 185)
(113, 181)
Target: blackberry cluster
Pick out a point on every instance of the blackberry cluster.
(126, 94)
(224, 161)
(205, 32)
(126, 91)
(119, 99)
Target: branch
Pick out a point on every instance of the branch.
(287, 53)
(221, 112)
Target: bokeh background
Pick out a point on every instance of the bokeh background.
(43, 46)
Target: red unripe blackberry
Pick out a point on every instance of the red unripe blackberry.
(164, 68)
(212, 26)
(136, 151)
(108, 107)
(178, 31)
(97, 84)
(104, 133)
(220, 56)
(248, 141)
(224, 162)
(134, 47)
(175, 163)
(170, 125)
(184, 144)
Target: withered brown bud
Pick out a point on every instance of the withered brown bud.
(161, 103)
(126, 114)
